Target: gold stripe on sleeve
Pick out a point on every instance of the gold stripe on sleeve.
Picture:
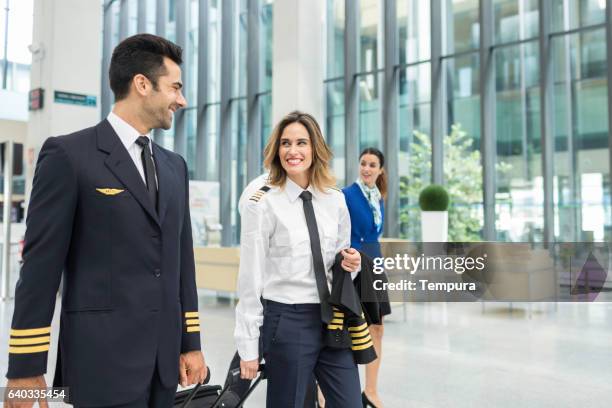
(191, 329)
(192, 321)
(334, 326)
(27, 350)
(361, 341)
(359, 328)
(363, 346)
(191, 314)
(30, 332)
(29, 340)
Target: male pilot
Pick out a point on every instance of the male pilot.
(110, 209)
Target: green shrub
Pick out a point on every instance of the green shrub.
(433, 198)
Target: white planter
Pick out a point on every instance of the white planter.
(434, 226)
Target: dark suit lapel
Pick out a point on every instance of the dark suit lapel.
(166, 178)
(121, 165)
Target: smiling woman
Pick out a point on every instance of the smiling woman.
(298, 136)
(295, 229)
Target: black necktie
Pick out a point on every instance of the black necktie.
(317, 257)
(149, 168)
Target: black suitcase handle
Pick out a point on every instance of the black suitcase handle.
(233, 378)
(194, 390)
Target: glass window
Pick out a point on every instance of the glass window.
(335, 38)
(171, 21)
(370, 35)
(515, 20)
(581, 180)
(132, 17)
(240, 48)
(519, 194)
(370, 130)
(265, 103)
(462, 160)
(151, 15)
(334, 126)
(571, 14)
(414, 161)
(265, 53)
(115, 24)
(462, 27)
(464, 93)
(414, 30)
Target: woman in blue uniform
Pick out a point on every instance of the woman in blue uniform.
(292, 230)
(365, 202)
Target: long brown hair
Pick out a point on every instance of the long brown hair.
(320, 175)
(381, 180)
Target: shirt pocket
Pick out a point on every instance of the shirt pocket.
(289, 241)
(329, 240)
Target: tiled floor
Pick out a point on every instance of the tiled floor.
(460, 354)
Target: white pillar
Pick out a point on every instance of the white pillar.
(298, 58)
(66, 46)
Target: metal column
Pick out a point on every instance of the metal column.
(201, 133)
(438, 92)
(142, 16)
(253, 152)
(124, 19)
(351, 89)
(8, 200)
(487, 117)
(390, 126)
(105, 91)
(547, 118)
(180, 125)
(225, 131)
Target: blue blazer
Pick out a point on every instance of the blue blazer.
(364, 235)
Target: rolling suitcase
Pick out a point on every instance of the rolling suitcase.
(214, 396)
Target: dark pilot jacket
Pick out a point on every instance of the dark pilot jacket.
(129, 301)
(348, 329)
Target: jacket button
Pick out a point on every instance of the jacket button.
(157, 273)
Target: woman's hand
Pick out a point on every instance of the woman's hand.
(351, 261)
(248, 369)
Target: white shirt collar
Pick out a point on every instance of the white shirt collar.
(125, 131)
(293, 190)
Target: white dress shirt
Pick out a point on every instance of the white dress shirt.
(128, 136)
(275, 254)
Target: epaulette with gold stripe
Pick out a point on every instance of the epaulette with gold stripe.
(192, 322)
(259, 193)
(27, 341)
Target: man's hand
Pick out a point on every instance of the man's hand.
(351, 261)
(24, 383)
(248, 369)
(192, 368)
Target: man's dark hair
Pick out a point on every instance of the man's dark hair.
(140, 54)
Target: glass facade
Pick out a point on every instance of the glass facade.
(469, 93)
(581, 172)
(208, 110)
